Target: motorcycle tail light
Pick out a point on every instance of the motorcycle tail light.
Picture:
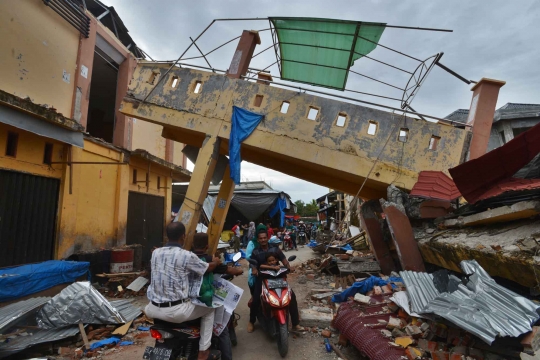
(156, 334)
(160, 334)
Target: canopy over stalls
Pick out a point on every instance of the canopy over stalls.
(321, 51)
(251, 203)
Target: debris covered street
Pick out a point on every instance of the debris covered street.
(179, 181)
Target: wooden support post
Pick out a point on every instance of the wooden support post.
(85, 338)
(221, 208)
(198, 187)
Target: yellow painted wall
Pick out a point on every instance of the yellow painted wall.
(147, 136)
(87, 216)
(30, 152)
(37, 47)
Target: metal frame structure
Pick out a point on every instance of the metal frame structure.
(416, 80)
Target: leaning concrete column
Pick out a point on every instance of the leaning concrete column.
(370, 223)
(403, 236)
(221, 208)
(243, 54)
(485, 94)
(198, 186)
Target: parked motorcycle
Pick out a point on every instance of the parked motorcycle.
(273, 315)
(181, 341)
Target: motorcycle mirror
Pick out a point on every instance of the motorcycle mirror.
(237, 256)
(292, 258)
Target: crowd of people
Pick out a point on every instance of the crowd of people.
(299, 231)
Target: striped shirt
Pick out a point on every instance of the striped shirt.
(176, 274)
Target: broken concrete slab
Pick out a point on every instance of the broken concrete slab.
(313, 318)
(520, 210)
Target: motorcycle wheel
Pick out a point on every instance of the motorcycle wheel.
(283, 340)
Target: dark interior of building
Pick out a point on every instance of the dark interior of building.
(102, 105)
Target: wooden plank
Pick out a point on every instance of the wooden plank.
(85, 338)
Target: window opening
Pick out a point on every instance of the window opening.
(313, 112)
(159, 182)
(434, 142)
(12, 143)
(285, 107)
(198, 87)
(174, 81)
(47, 153)
(258, 100)
(372, 128)
(135, 176)
(153, 77)
(403, 135)
(102, 101)
(342, 117)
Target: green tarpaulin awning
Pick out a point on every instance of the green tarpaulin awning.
(321, 51)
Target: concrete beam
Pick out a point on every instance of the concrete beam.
(520, 210)
(223, 202)
(317, 150)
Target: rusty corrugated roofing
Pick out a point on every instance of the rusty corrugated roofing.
(477, 177)
(435, 185)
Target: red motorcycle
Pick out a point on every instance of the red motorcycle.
(273, 315)
(287, 241)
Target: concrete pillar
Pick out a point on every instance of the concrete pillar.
(403, 236)
(484, 101)
(223, 202)
(123, 127)
(198, 186)
(370, 223)
(121, 206)
(243, 54)
(83, 75)
(169, 150)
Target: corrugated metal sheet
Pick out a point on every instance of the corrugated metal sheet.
(475, 177)
(360, 324)
(435, 185)
(127, 309)
(15, 311)
(480, 306)
(28, 206)
(510, 185)
(38, 336)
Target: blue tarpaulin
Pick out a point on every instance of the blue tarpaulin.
(281, 205)
(24, 280)
(243, 124)
(104, 342)
(363, 287)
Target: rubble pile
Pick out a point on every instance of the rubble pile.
(125, 286)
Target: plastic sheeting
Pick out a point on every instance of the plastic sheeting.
(20, 281)
(281, 205)
(478, 305)
(253, 205)
(79, 302)
(363, 287)
(243, 124)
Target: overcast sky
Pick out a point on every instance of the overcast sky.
(493, 39)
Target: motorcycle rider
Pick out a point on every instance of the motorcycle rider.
(176, 279)
(260, 255)
(302, 229)
(200, 247)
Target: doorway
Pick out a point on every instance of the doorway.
(102, 102)
(28, 207)
(145, 222)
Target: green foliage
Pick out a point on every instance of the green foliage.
(304, 209)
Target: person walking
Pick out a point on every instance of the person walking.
(236, 237)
